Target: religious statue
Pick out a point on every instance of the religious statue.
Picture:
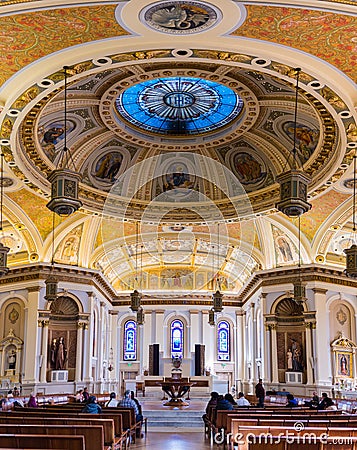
(11, 359)
(289, 355)
(61, 354)
(58, 354)
(296, 356)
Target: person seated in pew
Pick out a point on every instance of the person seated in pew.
(330, 405)
(212, 402)
(79, 396)
(292, 401)
(128, 402)
(313, 403)
(15, 392)
(324, 400)
(85, 395)
(112, 402)
(230, 398)
(132, 394)
(32, 403)
(92, 406)
(242, 401)
(222, 403)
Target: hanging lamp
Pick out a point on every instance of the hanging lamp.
(135, 296)
(64, 181)
(140, 316)
(351, 253)
(3, 249)
(51, 282)
(217, 297)
(211, 317)
(293, 183)
(299, 286)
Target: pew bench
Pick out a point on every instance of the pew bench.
(33, 441)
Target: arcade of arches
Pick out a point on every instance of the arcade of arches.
(179, 117)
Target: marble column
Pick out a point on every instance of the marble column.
(79, 352)
(274, 353)
(323, 358)
(31, 333)
(239, 350)
(44, 351)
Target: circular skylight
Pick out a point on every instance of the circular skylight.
(179, 105)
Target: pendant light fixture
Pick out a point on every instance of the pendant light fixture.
(51, 282)
(140, 315)
(64, 181)
(293, 183)
(351, 253)
(217, 296)
(135, 296)
(299, 286)
(3, 249)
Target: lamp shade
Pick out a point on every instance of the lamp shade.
(293, 193)
(140, 316)
(211, 317)
(135, 300)
(351, 261)
(217, 301)
(51, 288)
(3, 259)
(299, 292)
(64, 192)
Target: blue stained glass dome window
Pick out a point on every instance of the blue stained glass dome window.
(179, 105)
(223, 337)
(176, 339)
(130, 341)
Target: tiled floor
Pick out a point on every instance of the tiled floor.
(173, 441)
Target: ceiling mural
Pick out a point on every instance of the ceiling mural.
(178, 137)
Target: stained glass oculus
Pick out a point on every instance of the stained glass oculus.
(179, 105)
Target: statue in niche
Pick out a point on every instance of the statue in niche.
(11, 359)
(58, 354)
(289, 356)
(297, 363)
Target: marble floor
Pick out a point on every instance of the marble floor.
(187, 440)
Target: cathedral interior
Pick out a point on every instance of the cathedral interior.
(178, 118)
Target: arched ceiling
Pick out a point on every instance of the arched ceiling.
(180, 116)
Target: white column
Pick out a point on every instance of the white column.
(309, 353)
(274, 353)
(89, 342)
(140, 335)
(323, 360)
(44, 350)
(31, 336)
(239, 349)
(79, 350)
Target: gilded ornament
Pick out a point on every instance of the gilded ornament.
(333, 98)
(13, 315)
(351, 132)
(341, 316)
(26, 97)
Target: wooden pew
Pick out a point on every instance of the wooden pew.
(119, 431)
(107, 424)
(33, 441)
(93, 435)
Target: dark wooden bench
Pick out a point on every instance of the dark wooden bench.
(93, 435)
(107, 424)
(116, 416)
(33, 441)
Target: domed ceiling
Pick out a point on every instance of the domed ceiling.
(180, 116)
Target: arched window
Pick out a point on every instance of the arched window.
(223, 339)
(130, 341)
(176, 339)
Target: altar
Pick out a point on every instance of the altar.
(176, 389)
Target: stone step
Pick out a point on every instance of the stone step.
(172, 418)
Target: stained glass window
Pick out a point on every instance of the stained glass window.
(179, 105)
(176, 339)
(223, 337)
(130, 341)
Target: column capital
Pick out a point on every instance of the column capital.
(317, 290)
(34, 289)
